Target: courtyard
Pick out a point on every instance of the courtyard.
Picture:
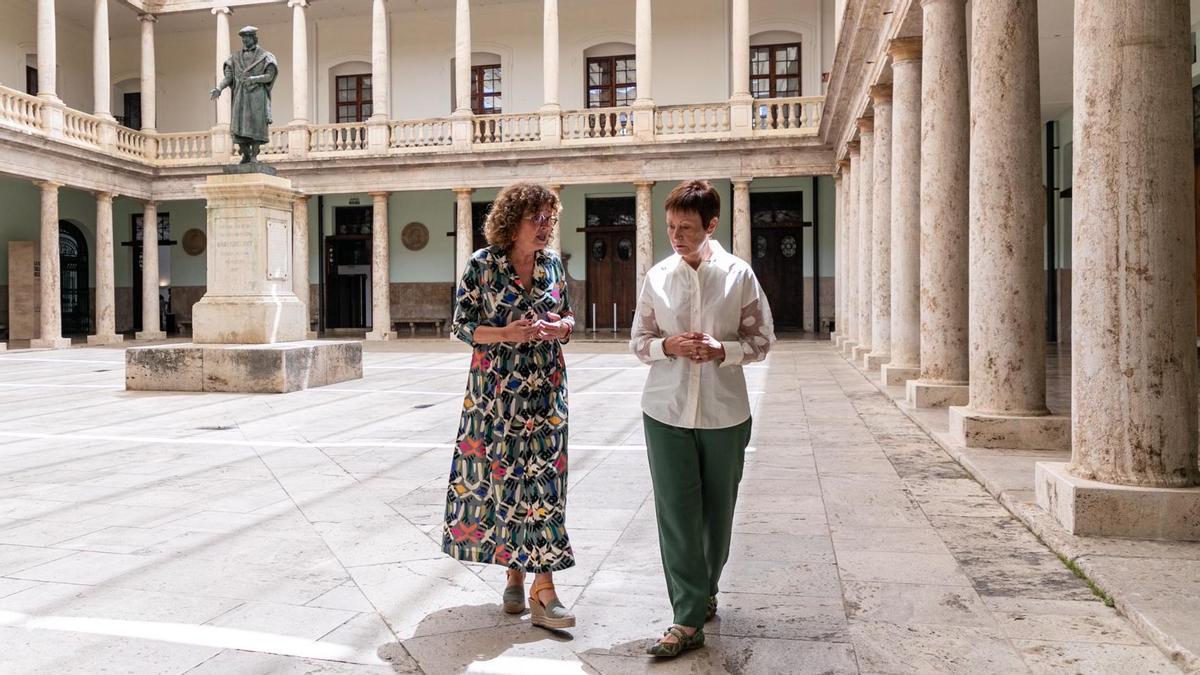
(300, 533)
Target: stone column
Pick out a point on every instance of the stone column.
(550, 113)
(101, 67)
(865, 217)
(50, 335)
(840, 180)
(741, 104)
(222, 53)
(1007, 406)
(47, 51)
(741, 218)
(556, 236)
(106, 321)
(905, 363)
(645, 229)
(853, 151)
(1133, 468)
(300, 102)
(148, 76)
(150, 314)
(881, 231)
(462, 58)
(643, 105)
(462, 230)
(381, 303)
(300, 256)
(945, 141)
(380, 55)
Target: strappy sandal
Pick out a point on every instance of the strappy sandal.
(550, 615)
(669, 650)
(514, 598)
(712, 609)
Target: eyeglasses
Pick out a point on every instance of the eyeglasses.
(543, 219)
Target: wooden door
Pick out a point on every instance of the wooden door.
(777, 256)
(611, 276)
(73, 277)
(347, 280)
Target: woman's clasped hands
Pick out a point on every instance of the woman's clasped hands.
(552, 327)
(694, 346)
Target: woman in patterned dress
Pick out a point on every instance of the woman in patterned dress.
(506, 502)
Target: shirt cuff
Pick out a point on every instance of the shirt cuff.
(734, 355)
(656, 350)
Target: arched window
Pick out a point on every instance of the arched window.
(775, 65)
(352, 91)
(610, 75)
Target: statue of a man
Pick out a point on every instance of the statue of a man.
(250, 74)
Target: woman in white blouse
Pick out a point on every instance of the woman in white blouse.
(701, 315)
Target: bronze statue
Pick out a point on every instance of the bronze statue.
(250, 74)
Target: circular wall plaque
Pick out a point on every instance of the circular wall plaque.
(414, 236)
(194, 241)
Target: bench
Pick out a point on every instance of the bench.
(412, 321)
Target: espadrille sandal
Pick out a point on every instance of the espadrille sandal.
(669, 650)
(550, 615)
(514, 597)
(712, 609)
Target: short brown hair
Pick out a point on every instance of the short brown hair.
(696, 196)
(512, 204)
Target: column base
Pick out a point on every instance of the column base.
(380, 336)
(897, 376)
(1090, 508)
(921, 394)
(859, 353)
(833, 336)
(105, 339)
(847, 347)
(52, 343)
(142, 335)
(875, 361)
(3, 346)
(310, 335)
(258, 368)
(979, 430)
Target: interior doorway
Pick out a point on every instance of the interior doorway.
(165, 317)
(73, 269)
(777, 253)
(347, 256)
(610, 235)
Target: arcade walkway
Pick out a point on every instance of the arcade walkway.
(218, 534)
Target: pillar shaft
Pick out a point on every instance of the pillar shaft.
(556, 236)
(881, 225)
(645, 229)
(300, 68)
(550, 53)
(462, 230)
(150, 298)
(47, 50)
(852, 233)
(462, 58)
(149, 85)
(300, 253)
(643, 46)
(380, 56)
(381, 305)
(1134, 312)
(1007, 347)
(222, 53)
(944, 165)
(740, 27)
(840, 182)
(866, 232)
(906, 203)
(106, 321)
(101, 67)
(48, 253)
(741, 219)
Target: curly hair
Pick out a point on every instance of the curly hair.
(512, 204)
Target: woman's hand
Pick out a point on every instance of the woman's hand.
(695, 347)
(521, 330)
(552, 327)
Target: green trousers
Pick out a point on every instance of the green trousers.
(695, 473)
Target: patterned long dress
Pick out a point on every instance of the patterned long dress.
(506, 502)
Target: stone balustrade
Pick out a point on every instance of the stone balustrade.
(799, 116)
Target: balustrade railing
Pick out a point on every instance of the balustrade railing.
(278, 145)
(185, 147)
(131, 143)
(799, 115)
(81, 127)
(420, 133)
(337, 137)
(597, 123)
(507, 128)
(692, 120)
(20, 109)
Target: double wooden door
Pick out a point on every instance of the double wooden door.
(347, 261)
(611, 276)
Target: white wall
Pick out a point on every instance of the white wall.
(18, 40)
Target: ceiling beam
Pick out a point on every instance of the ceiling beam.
(180, 6)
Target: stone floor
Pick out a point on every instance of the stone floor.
(223, 533)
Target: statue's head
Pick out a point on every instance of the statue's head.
(249, 36)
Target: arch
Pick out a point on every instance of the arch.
(484, 53)
(609, 49)
(74, 264)
(347, 67)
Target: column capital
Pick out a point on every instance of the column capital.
(379, 194)
(927, 3)
(47, 184)
(302, 198)
(460, 191)
(905, 49)
(298, 3)
(149, 203)
(881, 93)
(103, 196)
(843, 165)
(643, 183)
(147, 18)
(226, 11)
(740, 181)
(866, 125)
(853, 148)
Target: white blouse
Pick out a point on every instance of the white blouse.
(721, 298)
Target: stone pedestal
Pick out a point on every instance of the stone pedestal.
(249, 329)
(923, 394)
(874, 361)
(897, 376)
(974, 429)
(1090, 508)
